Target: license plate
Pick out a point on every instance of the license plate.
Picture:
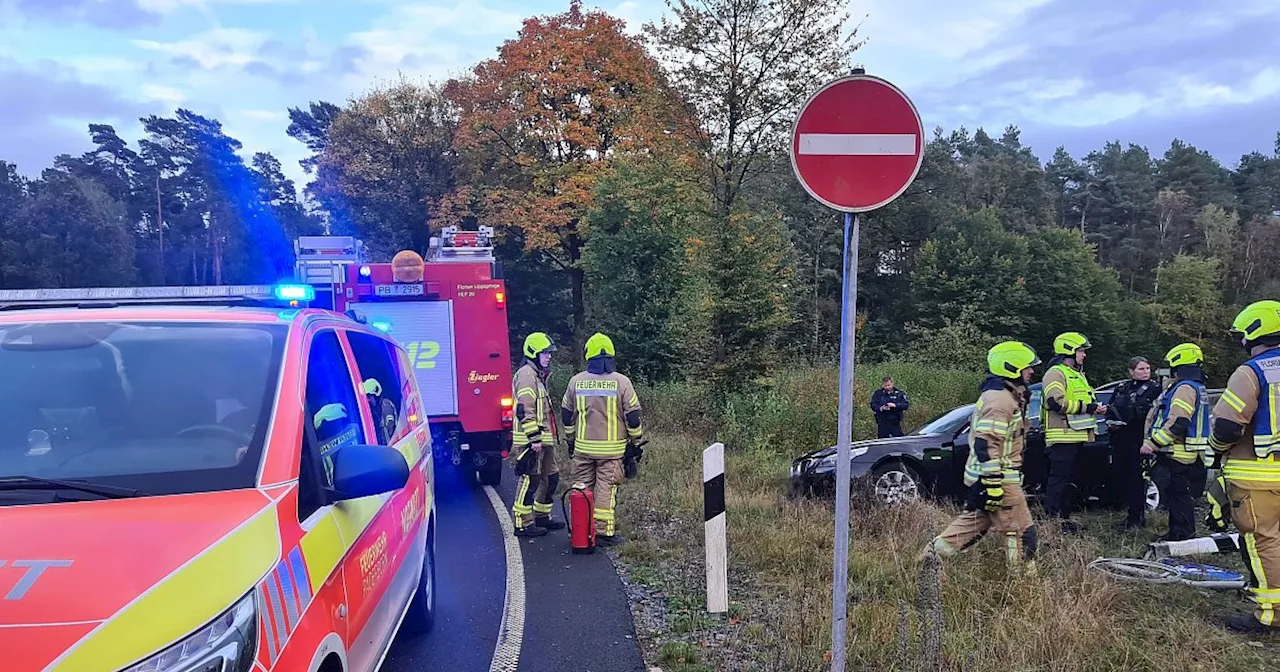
(398, 290)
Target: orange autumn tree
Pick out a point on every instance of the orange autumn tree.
(539, 124)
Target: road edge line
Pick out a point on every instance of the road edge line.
(506, 653)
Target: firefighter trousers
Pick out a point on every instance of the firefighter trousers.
(1174, 480)
(536, 489)
(1012, 522)
(603, 475)
(1256, 514)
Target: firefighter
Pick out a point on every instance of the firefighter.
(1069, 417)
(997, 433)
(533, 441)
(1245, 438)
(1178, 434)
(601, 417)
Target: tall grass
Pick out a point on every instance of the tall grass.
(780, 556)
(798, 412)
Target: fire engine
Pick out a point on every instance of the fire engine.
(449, 313)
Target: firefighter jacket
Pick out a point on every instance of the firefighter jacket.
(533, 408)
(1072, 421)
(1251, 440)
(600, 413)
(1178, 425)
(997, 432)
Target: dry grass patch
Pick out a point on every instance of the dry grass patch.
(1066, 618)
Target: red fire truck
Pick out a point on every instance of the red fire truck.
(449, 312)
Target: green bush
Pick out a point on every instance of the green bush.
(798, 412)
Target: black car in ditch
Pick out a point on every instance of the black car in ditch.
(930, 461)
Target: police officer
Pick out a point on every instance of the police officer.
(1127, 416)
(533, 441)
(889, 403)
(1246, 438)
(601, 415)
(993, 474)
(1068, 415)
(1178, 434)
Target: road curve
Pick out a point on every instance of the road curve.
(576, 615)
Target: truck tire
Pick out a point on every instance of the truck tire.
(491, 473)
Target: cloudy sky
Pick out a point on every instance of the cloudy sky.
(1069, 72)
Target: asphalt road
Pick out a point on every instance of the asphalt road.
(576, 613)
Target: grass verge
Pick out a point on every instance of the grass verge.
(780, 555)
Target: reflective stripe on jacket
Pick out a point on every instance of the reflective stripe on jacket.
(1072, 391)
(533, 408)
(1183, 399)
(1000, 418)
(1250, 401)
(596, 407)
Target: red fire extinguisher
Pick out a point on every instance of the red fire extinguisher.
(580, 515)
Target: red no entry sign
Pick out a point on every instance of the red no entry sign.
(857, 144)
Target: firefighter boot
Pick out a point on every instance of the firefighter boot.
(542, 509)
(1249, 624)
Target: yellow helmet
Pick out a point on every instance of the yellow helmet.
(1069, 342)
(538, 343)
(599, 344)
(1184, 354)
(1009, 358)
(1258, 319)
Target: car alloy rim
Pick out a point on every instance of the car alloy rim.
(895, 487)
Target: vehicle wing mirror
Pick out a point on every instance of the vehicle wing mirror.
(364, 471)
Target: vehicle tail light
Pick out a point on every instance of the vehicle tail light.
(508, 414)
(501, 298)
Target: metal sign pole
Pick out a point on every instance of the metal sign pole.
(848, 326)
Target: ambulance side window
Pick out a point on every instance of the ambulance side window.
(332, 419)
(382, 384)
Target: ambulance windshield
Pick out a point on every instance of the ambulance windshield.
(162, 408)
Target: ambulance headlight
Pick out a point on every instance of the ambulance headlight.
(228, 644)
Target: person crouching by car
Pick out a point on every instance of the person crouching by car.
(889, 403)
(1127, 417)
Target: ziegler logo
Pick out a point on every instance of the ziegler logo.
(475, 377)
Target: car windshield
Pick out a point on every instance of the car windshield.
(162, 408)
(949, 422)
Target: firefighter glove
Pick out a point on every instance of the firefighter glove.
(629, 467)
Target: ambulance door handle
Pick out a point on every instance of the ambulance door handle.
(493, 355)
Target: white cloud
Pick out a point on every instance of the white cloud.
(169, 6)
(164, 94)
(213, 48)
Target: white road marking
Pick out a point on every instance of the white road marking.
(858, 144)
(506, 655)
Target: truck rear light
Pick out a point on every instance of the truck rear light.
(507, 402)
(501, 297)
(508, 414)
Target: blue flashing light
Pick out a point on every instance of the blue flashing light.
(381, 325)
(295, 292)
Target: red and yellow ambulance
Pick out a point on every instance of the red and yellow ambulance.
(240, 484)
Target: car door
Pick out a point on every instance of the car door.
(396, 552)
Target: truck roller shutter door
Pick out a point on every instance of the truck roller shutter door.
(425, 329)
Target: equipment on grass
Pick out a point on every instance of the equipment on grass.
(580, 514)
(1169, 570)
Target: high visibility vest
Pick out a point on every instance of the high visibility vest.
(1266, 432)
(1079, 424)
(1196, 443)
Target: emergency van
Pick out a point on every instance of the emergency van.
(208, 479)
(449, 313)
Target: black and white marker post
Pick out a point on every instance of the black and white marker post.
(713, 522)
(857, 145)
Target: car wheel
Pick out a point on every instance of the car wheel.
(422, 609)
(896, 483)
(1153, 495)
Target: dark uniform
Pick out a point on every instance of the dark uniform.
(1130, 404)
(889, 420)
